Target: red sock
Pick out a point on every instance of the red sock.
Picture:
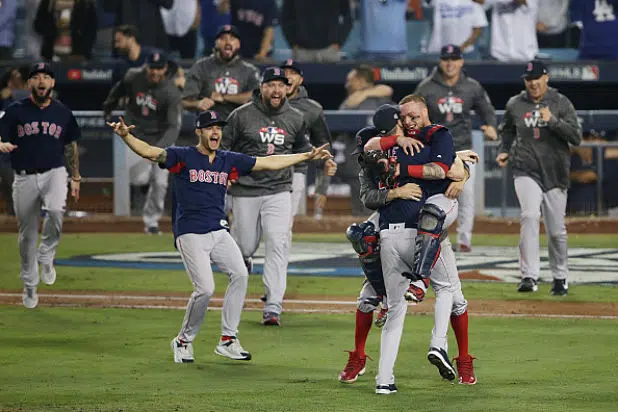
(460, 327)
(363, 325)
(225, 338)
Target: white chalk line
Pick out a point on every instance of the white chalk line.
(105, 298)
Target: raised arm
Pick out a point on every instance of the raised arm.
(277, 162)
(141, 148)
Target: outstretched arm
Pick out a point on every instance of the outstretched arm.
(141, 148)
(278, 162)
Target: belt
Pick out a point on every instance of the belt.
(32, 171)
(401, 225)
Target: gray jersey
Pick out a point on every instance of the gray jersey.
(540, 149)
(209, 74)
(256, 130)
(155, 109)
(372, 197)
(451, 105)
(316, 122)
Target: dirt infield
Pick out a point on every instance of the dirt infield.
(320, 304)
(107, 223)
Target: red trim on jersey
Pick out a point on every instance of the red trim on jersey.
(387, 142)
(233, 175)
(415, 171)
(431, 131)
(177, 167)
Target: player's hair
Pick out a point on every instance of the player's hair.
(365, 72)
(416, 98)
(128, 30)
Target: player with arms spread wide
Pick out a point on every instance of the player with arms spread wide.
(201, 234)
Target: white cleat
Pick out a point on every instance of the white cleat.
(183, 352)
(48, 273)
(232, 349)
(30, 298)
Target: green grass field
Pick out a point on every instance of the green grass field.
(79, 359)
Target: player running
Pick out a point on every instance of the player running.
(201, 233)
(41, 135)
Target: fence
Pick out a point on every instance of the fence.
(494, 188)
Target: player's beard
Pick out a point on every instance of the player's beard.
(220, 54)
(272, 107)
(40, 99)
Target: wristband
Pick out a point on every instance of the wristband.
(388, 142)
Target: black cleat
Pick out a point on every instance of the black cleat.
(527, 285)
(560, 287)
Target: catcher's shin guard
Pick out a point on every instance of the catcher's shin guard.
(365, 241)
(427, 243)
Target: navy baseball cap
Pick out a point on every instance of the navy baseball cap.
(386, 117)
(534, 70)
(209, 118)
(292, 64)
(362, 137)
(227, 28)
(273, 73)
(41, 67)
(450, 51)
(156, 60)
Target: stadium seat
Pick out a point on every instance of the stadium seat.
(558, 55)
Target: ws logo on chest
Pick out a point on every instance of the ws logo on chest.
(533, 119)
(34, 128)
(227, 85)
(450, 105)
(147, 102)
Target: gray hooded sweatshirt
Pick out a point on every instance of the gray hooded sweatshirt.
(450, 106)
(536, 148)
(257, 130)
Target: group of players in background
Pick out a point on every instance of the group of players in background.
(411, 173)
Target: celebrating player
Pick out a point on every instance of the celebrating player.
(543, 122)
(154, 107)
(201, 234)
(222, 81)
(451, 96)
(261, 201)
(318, 135)
(41, 135)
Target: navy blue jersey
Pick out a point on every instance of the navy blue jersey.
(40, 134)
(199, 187)
(439, 148)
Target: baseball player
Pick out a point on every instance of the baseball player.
(201, 234)
(221, 81)
(41, 135)
(374, 198)
(365, 240)
(261, 202)
(318, 135)
(542, 123)
(451, 96)
(433, 254)
(154, 106)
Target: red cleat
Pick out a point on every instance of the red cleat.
(465, 370)
(464, 248)
(354, 368)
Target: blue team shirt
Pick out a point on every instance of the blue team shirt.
(598, 38)
(39, 133)
(439, 148)
(200, 187)
(251, 18)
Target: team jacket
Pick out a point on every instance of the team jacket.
(155, 110)
(256, 130)
(316, 123)
(209, 74)
(451, 106)
(536, 148)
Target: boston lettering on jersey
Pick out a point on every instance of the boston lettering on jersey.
(200, 187)
(39, 133)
